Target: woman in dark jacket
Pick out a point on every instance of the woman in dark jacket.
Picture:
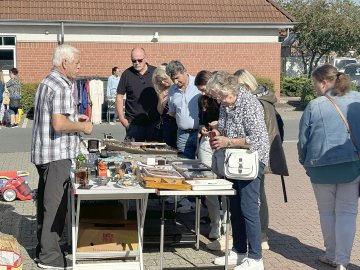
(14, 88)
(277, 161)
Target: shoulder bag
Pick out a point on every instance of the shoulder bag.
(241, 164)
(347, 127)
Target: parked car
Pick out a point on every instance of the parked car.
(341, 62)
(353, 71)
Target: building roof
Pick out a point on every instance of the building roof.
(145, 11)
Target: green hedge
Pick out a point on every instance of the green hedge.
(298, 87)
(28, 91)
(265, 82)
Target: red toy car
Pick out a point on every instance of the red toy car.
(14, 184)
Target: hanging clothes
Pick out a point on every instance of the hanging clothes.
(96, 89)
(88, 99)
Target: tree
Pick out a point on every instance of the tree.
(323, 27)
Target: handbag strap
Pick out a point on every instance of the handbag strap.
(345, 122)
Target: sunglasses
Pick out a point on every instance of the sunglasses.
(137, 60)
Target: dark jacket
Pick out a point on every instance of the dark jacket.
(277, 160)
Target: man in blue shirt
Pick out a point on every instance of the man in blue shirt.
(183, 105)
(111, 89)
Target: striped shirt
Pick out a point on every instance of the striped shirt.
(53, 96)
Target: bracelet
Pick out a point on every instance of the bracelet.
(229, 142)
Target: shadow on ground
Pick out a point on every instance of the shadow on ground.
(293, 249)
(22, 227)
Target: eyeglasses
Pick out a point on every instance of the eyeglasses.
(137, 60)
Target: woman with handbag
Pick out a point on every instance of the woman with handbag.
(14, 88)
(241, 125)
(277, 161)
(328, 147)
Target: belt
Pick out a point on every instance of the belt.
(189, 130)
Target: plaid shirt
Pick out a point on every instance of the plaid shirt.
(53, 96)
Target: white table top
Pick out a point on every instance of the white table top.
(195, 192)
(110, 189)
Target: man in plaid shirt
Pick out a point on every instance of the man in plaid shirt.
(55, 140)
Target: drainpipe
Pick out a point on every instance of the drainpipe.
(61, 35)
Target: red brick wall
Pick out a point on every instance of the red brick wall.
(97, 59)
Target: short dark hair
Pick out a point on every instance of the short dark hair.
(14, 71)
(174, 67)
(113, 70)
(202, 77)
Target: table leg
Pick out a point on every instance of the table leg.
(227, 232)
(73, 229)
(162, 225)
(197, 222)
(140, 231)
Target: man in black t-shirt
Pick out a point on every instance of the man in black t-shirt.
(141, 118)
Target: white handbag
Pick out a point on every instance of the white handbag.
(241, 164)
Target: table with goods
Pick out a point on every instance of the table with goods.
(112, 170)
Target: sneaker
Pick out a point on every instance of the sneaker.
(341, 267)
(170, 200)
(184, 201)
(186, 208)
(327, 261)
(251, 264)
(219, 244)
(233, 258)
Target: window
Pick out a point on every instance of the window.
(7, 52)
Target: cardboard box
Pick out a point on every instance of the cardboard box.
(107, 235)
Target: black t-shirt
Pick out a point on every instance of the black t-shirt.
(141, 98)
(208, 110)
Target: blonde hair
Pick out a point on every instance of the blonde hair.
(247, 79)
(160, 72)
(329, 73)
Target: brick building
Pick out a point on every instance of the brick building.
(203, 34)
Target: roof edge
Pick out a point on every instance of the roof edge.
(160, 25)
(280, 9)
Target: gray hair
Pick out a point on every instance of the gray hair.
(64, 52)
(174, 67)
(223, 83)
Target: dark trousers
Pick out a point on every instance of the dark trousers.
(137, 133)
(52, 199)
(245, 220)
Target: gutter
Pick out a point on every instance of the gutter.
(62, 24)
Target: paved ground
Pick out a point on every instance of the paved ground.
(295, 237)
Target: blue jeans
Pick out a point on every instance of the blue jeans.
(186, 142)
(245, 220)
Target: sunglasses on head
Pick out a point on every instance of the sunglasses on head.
(137, 60)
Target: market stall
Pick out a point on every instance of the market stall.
(132, 171)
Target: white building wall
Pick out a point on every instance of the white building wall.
(46, 33)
